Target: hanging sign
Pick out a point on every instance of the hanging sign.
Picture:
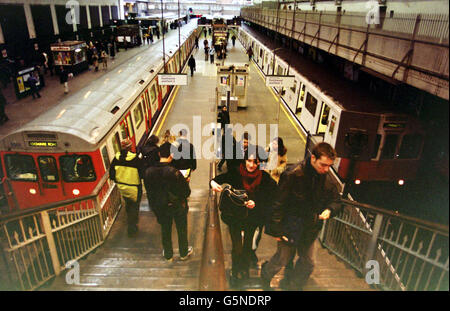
(172, 79)
(280, 81)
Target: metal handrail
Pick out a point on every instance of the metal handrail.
(212, 271)
(37, 244)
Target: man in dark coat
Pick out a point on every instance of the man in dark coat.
(63, 79)
(233, 39)
(191, 64)
(167, 193)
(150, 152)
(305, 199)
(223, 117)
(32, 81)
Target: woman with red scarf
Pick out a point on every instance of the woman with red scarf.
(261, 190)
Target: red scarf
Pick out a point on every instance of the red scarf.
(250, 180)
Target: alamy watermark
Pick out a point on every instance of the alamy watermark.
(373, 16)
(73, 272)
(73, 15)
(373, 273)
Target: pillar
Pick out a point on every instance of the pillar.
(30, 22)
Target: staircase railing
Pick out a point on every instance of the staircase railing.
(37, 244)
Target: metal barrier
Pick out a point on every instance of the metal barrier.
(212, 271)
(37, 244)
(407, 253)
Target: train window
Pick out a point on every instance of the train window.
(390, 144)
(20, 167)
(376, 146)
(311, 104)
(77, 168)
(138, 115)
(48, 168)
(105, 157)
(410, 147)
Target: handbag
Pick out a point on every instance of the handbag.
(237, 209)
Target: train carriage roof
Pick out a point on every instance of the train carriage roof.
(342, 91)
(87, 114)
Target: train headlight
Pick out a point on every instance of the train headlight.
(33, 191)
(357, 181)
(401, 182)
(76, 192)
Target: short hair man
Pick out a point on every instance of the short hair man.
(304, 200)
(167, 193)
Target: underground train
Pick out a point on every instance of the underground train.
(64, 153)
(374, 142)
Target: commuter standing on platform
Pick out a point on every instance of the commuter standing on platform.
(277, 160)
(196, 42)
(233, 39)
(211, 55)
(32, 81)
(105, 60)
(223, 117)
(167, 193)
(250, 53)
(64, 78)
(305, 199)
(191, 64)
(126, 170)
(206, 47)
(261, 189)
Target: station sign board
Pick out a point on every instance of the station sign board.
(280, 81)
(172, 79)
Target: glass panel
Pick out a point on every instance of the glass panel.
(20, 167)
(390, 144)
(311, 104)
(410, 147)
(123, 130)
(153, 94)
(130, 126)
(105, 157)
(138, 115)
(48, 168)
(77, 168)
(116, 143)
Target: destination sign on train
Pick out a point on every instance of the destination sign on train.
(51, 144)
(280, 81)
(172, 79)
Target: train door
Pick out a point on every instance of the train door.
(309, 114)
(148, 113)
(126, 129)
(323, 119)
(138, 116)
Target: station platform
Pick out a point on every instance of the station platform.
(124, 263)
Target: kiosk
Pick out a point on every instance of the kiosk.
(232, 82)
(71, 54)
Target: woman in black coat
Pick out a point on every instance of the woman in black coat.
(261, 190)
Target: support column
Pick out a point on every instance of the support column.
(88, 15)
(74, 18)
(2, 38)
(100, 15)
(54, 19)
(110, 12)
(30, 23)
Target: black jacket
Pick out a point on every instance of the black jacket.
(150, 155)
(185, 158)
(304, 194)
(223, 117)
(263, 198)
(191, 62)
(167, 190)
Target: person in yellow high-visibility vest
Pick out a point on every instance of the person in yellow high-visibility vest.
(126, 171)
